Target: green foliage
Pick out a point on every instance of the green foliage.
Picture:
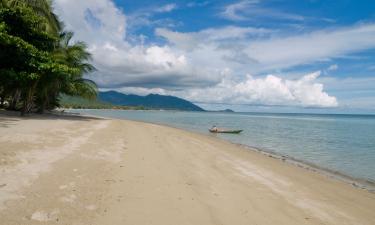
(82, 103)
(36, 65)
(67, 101)
(43, 9)
(25, 24)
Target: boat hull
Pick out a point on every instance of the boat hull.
(226, 131)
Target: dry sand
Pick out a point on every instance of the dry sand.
(76, 170)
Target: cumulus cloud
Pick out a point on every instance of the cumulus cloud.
(152, 66)
(209, 65)
(93, 20)
(121, 63)
(270, 90)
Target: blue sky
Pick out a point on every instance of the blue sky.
(251, 55)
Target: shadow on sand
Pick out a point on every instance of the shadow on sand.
(9, 118)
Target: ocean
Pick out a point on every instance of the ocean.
(339, 143)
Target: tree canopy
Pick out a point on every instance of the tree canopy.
(38, 60)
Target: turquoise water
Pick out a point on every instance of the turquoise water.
(343, 143)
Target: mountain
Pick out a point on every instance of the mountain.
(153, 101)
(226, 110)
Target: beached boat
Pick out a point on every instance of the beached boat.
(225, 131)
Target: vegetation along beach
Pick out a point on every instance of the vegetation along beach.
(122, 112)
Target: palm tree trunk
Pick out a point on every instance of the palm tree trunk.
(2, 100)
(28, 101)
(43, 102)
(15, 99)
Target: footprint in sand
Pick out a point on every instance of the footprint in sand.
(62, 187)
(43, 216)
(70, 198)
(91, 207)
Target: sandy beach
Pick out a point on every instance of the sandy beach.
(80, 170)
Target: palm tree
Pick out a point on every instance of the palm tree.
(63, 63)
(24, 51)
(76, 57)
(43, 8)
(2, 3)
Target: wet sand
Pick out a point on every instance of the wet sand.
(80, 170)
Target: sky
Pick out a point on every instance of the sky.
(247, 55)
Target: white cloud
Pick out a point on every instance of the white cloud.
(197, 4)
(121, 63)
(111, 19)
(285, 52)
(146, 17)
(333, 67)
(139, 90)
(258, 50)
(232, 11)
(251, 9)
(210, 65)
(269, 90)
(167, 8)
(152, 66)
(192, 40)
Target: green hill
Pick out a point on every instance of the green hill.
(113, 99)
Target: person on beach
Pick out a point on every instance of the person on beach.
(214, 128)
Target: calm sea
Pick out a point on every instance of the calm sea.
(343, 143)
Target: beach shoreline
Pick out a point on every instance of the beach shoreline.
(163, 174)
(356, 182)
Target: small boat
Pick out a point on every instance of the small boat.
(225, 131)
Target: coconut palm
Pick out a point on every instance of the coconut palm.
(24, 53)
(2, 3)
(76, 57)
(43, 8)
(45, 59)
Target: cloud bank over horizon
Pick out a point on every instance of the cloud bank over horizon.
(225, 64)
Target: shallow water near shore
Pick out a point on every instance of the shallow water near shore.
(342, 143)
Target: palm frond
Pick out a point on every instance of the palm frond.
(44, 9)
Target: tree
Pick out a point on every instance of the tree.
(36, 65)
(76, 57)
(44, 9)
(24, 51)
